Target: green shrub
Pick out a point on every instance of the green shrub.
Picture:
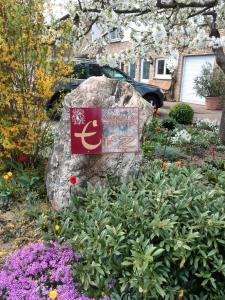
(182, 113)
(170, 153)
(221, 148)
(169, 123)
(203, 138)
(20, 184)
(210, 82)
(155, 237)
(148, 149)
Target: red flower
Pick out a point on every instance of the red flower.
(212, 148)
(22, 158)
(157, 129)
(73, 180)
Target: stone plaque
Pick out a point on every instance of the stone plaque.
(104, 130)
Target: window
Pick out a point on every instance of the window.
(94, 70)
(161, 70)
(145, 70)
(131, 70)
(114, 35)
(80, 71)
(113, 73)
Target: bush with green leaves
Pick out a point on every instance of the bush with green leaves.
(182, 113)
(210, 83)
(19, 183)
(207, 125)
(203, 138)
(169, 153)
(159, 236)
(169, 123)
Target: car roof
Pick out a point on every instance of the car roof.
(84, 61)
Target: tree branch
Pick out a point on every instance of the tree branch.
(194, 4)
(199, 12)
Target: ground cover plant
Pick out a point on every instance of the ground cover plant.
(39, 271)
(168, 140)
(160, 236)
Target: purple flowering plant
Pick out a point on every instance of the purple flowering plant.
(38, 271)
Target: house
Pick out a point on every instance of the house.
(154, 70)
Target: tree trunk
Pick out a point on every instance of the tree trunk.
(222, 126)
(172, 86)
(220, 59)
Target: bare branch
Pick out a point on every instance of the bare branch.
(195, 4)
(80, 5)
(199, 12)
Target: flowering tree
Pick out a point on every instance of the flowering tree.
(166, 26)
(30, 63)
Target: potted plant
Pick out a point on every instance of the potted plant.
(211, 85)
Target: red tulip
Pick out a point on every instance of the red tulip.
(22, 158)
(73, 180)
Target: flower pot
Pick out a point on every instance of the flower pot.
(214, 103)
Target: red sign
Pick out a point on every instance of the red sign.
(104, 130)
(86, 130)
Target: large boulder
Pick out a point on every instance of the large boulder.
(94, 92)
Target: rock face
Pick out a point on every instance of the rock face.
(94, 92)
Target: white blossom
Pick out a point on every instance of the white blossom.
(153, 29)
(181, 137)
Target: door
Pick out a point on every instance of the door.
(192, 66)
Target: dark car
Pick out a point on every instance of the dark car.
(86, 69)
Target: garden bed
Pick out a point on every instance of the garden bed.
(167, 224)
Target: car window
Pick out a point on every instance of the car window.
(80, 71)
(94, 70)
(113, 73)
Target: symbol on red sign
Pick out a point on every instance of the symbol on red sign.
(86, 130)
(84, 134)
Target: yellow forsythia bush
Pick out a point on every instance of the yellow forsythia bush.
(30, 65)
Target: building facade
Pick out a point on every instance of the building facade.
(154, 71)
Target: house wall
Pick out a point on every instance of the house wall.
(118, 47)
(162, 83)
(125, 44)
(187, 52)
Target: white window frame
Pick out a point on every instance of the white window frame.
(117, 37)
(142, 79)
(164, 75)
(129, 70)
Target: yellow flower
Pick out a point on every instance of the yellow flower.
(53, 294)
(57, 227)
(10, 226)
(10, 174)
(165, 164)
(181, 294)
(6, 177)
(178, 163)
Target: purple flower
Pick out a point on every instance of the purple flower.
(31, 272)
(106, 298)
